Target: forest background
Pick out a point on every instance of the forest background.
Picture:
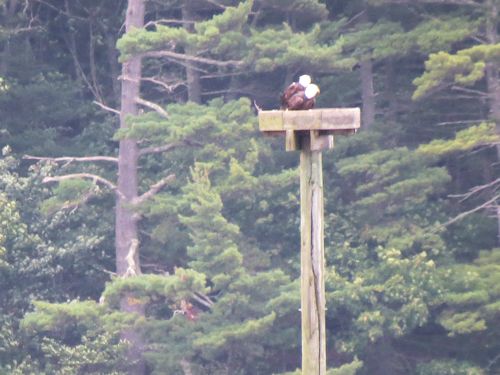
(148, 228)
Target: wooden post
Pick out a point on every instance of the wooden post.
(311, 132)
(312, 261)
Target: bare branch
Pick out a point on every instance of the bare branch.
(90, 176)
(475, 190)
(70, 159)
(159, 149)
(184, 57)
(220, 75)
(154, 106)
(470, 91)
(461, 122)
(475, 209)
(167, 147)
(202, 299)
(73, 205)
(169, 87)
(167, 21)
(106, 108)
(154, 189)
(216, 4)
(451, 2)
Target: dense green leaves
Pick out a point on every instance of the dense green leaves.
(410, 289)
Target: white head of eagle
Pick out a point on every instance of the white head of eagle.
(311, 91)
(305, 80)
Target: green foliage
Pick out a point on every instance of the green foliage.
(61, 316)
(220, 245)
(45, 107)
(273, 48)
(150, 287)
(346, 369)
(83, 337)
(449, 367)
(471, 304)
(101, 354)
(465, 140)
(240, 317)
(68, 194)
(220, 35)
(389, 295)
(465, 67)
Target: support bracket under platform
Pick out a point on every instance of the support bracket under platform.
(317, 126)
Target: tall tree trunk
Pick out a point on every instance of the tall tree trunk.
(367, 91)
(492, 80)
(126, 232)
(192, 75)
(391, 94)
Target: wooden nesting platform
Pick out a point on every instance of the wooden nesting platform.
(315, 125)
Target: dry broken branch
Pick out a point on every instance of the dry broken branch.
(132, 268)
(168, 86)
(154, 106)
(154, 189)
(106, 108)
(159, 149)
(70, 159)
(475, 190)
(197, 59)
(202, 299)
(167, 147)
(93, 177)
(486, 204)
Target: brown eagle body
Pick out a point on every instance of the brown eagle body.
(294, 89)
(299, 101)
(300, 95)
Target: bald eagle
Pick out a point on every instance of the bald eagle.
(294, 88)
(302, 100)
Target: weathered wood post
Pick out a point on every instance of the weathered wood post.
(311, 132)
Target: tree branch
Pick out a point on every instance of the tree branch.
(70, 159)
(167, 147)
(168, 87)
(154, 106)
(475, 190)
(451, 2)
(106, 108)
(90, 176)
(470, 91)
(201, 60)
(202, 299)
(167, 21)
(159, 149)
(154, 189)
(475, 209)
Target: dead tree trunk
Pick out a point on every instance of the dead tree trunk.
(192, 75)
(367, 91)
(126, 232)
(493, 83)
